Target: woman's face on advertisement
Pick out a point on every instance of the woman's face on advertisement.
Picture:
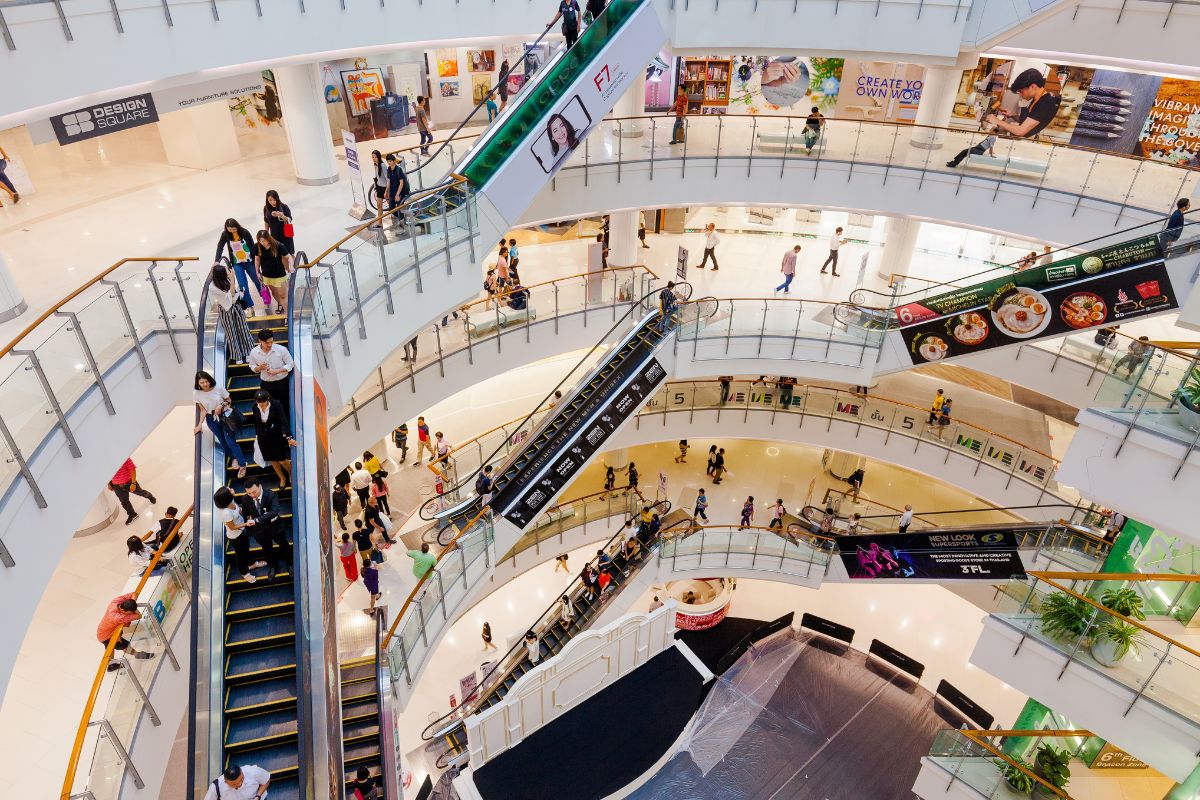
(558, 130)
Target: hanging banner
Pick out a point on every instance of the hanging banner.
(358, 207)
(104, 118)
(971, 555)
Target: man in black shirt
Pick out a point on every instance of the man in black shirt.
(568, 11)
(373, 517)
(1039, 111)
(365, 786)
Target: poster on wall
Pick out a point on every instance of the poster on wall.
(985, 89)
(516, 81)
(514, 55)
(481, 60)
(363, 87)
(447, 62)
(448, 88)
(990, 555)
(535, 56)
(480, 86)
(660, 82)
(879, 91)
(786, 85)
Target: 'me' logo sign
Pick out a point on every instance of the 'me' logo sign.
(97, 120)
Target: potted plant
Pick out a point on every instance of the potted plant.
(1053, 765)
(1113, 639)
(1189, 400)
(1065, 616)
(1018, 780)
(1126, 602)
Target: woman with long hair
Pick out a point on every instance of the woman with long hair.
(237, 245)
(216, 409)
(226, 299)
(562, 136)
(274, 264)
(278, 219)
(379, 185)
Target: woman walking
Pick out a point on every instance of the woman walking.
(227, 299)
(237, 245)
(274, 264)
(278, 219)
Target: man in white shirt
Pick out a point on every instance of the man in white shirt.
(273, 363)
(1046, 257)
(788, 269)
(835, 242)
(240, 783)
(360, 482)
(711, 240)
(905, 519)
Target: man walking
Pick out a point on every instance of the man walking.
(905, 519)
(123, 484)
(835, 242)
(260, 509)
(700, 511)
(423, 442)
(360, 482)
(679, 109)
(568, 12)
(1175, 222)
(423, 125)
(788, 269)
(711, 240)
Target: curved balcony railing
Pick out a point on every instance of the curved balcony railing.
(980, 759)
(713, 547)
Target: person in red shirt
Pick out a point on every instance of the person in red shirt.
(120, 612)
(678, 108)
(123, 484)
(423, 442)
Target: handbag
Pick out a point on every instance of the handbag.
(377, 556)
(266, 295)
(289, 230)
(231, 421)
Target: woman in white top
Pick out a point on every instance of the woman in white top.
(533, 647)
(235, 530)
(226, 298)
(139, 554)
(216, 410)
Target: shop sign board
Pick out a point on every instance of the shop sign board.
(104, 118)
(177, 98)
(699, 622)
(963, 555)
(583, 433)
(468, 687)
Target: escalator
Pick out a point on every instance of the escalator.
(554, 631)
(365, 709)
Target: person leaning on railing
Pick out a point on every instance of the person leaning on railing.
(120, 612)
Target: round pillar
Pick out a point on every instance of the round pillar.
(632, 104)
(302, 100)
(12, 304)
(939, 87)
(102, 514)
(617, 459)
(623, 245)
(899, 244)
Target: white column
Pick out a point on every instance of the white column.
(12, 304)
(899, 244)
(617, 459)
(623, 245)
(937, 101)
(632, 104)
(201, 137)
(302, 99)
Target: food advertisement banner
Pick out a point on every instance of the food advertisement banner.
(1015, 314)
(1094, 262)
(971, 555)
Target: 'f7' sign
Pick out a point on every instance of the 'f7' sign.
(602, 77)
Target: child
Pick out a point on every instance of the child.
(683, 448)
(492, 110)
(348, 551)
(370, 577)
(513, 258)
(701, 506)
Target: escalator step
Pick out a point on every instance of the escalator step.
(256, 601)
(364, 708)
(260, 663)
(234, 581)
(281, 760)
(284, 788)
(361, 754)
(259, 730)
(243, 634)
(262, 695)
(357, 690)
(359, 730)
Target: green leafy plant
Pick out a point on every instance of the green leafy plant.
(1065, 616)
(1053, 765)
(1189, 390)
(1016, 778)
(1121, 638)
(1126, 602)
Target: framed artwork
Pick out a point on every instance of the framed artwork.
(480, 84)
(481, 60)
(362, 87)
(513, 54)
(515, 81)
(448, 88)
(447, 62)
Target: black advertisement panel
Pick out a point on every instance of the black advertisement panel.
(588, 428)
(973, 555)
(1015, 314)
(104, 118)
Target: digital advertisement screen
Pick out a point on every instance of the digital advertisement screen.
(971, 555)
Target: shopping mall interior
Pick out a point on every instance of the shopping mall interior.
(763, 399)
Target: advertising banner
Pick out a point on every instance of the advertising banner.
(581, 105)
(221, 89)
(468, 687)
(358, 196)
(1015, 315)
(972, 555)
(584, 431)
(700, 622)
(104, 118)
(879, 91)
(681, 264)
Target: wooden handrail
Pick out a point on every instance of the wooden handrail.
(690, 529)
(605, 271)
(45, 315)
(981, 738)
(90, 705)
(791, 300)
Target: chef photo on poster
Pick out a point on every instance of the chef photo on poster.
(565, 129)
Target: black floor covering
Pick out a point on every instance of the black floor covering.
(711, 645)
(604, 743)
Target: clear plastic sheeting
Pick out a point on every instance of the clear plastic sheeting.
(797, 717)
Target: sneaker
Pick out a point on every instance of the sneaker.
(129, 520)
(249, 578)
(144, 656)
(258, 564)
(113, 666)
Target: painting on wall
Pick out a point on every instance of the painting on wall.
(784, 84)
(447, 62)
(513, 55)
(448, 88)
(362, 87)
(515, 82)
(481, 60)
(480, 86)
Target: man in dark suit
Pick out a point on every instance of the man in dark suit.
(261, 511)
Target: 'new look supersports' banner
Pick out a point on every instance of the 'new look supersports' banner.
(1096, 262)
(971, 555)
(1016, 314)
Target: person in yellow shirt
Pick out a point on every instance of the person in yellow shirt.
(371, 462)
(936, 408)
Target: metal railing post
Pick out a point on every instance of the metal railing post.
(387, 281)
(162, 308)
(149, 618)
(36, 366)
(74, 325)
(445, 232)
(137, 343)
(106, 731)
(187, 302)
(23, 468)
(137, 687)
(357, 297)
(417, 263)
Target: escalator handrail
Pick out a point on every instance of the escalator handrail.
(460, 713)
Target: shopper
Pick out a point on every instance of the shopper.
(712, 461)
(560, 563)
(590, 584)
(683, 448)
(379, 186)
(410, 350)
(747, 513)
(423, 560)
(814, 124)
(610, 479)
(985, 145)
(1175, 222)
(274, 265)
(484, 484)
(502, 86)
(711, 240)
(247, 782)
(275, 441)
(533, 647)
(237, 245)
(856, 480)
(679, 109)
(365, 786)
(273, 364)
(854, 524)
(400, 440)
(423, 442)
(486, 635)
(593, 10)
(362, 540)
(514, 256)
(372, 464)
(278, 219)
(260, 509)
(631, 470)
(216, 411)
(835, 243)
(493, 110)
(936, 406)
(377, 522)
(943, 420)
(1039, 110)
(719, 466)
(120, 612)
(235, 531)
(398, 189)
(701, 509)
(226, 297)
(138, 553)
(566, 610)
(166, 525)
(642, 229)
(905, 519)
(370, 578)
(777, 512)
(786, 386)
(347, 551)
(360, 482)
(788, 269)
(568, 12)
(5, 181)
(443, 449)
(1137, 354)
(124, 483)
(1047, 256)
(424, 124)
(726, 382)
(379, 490)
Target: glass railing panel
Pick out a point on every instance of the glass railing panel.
(24, 407)
(63, 361)
(137, 291)
(107, 769)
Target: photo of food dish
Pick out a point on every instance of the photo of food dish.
(1083, 310)
(969, 328)
(933, 348)
(1021, 312)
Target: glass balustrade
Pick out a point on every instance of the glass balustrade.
(761, 549)
(980, 759)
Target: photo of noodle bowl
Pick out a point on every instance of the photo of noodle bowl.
(933, 348)
(1083, 310)
(969, 328)
(1021, 312)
